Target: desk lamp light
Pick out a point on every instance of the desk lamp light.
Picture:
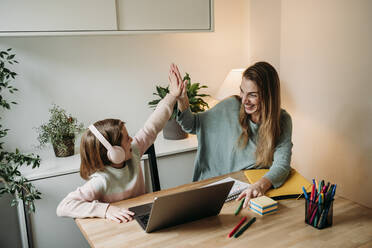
(231, 84)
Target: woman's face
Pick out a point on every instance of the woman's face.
(249, 95)
(126, 140)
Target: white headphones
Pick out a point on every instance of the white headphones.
(115, 154)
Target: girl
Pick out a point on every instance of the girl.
(243, 132)
(114, 173)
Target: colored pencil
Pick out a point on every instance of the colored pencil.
(237, 226)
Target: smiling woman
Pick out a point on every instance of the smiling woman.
(243, 132)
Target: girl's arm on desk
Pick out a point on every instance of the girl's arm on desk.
(83, 203)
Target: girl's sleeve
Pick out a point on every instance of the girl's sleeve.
(281, 167)
(155, 123)
(188, 121)
(83, 203)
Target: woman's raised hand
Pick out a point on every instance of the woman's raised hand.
(175, 84)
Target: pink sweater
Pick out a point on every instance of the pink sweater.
(111, 185)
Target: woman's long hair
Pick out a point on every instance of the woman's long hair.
(92, 153)
(267, 80)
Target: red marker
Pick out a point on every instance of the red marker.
(237, 226)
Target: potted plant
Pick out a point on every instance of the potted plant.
(60, 131)
(11, 180)
(172, 129)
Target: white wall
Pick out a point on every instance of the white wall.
(325, 61)
(96, 77)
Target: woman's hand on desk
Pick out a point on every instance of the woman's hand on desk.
(119, 214)
(255, 190)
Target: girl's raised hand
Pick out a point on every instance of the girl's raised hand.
(118, 214)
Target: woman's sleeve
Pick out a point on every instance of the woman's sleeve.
(281, 167)
(154, 124)
(188, 121)
(83, 203)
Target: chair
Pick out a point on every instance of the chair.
(153, 168)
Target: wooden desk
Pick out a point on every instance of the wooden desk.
(352, 227)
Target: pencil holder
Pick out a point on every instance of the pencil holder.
(319, 215)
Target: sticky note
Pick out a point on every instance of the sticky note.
(263, 205)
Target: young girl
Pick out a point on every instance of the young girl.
(115, 175)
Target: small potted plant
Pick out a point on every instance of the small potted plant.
(172, 129)
(60, 131)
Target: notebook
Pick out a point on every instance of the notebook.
(174, 209)
(237, 188)
(292, 187)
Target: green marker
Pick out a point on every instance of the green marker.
(240, 206)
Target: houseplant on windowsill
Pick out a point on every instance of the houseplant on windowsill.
(60, 131)
(11, 179)
(172, 129)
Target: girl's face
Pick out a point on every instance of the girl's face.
(250, 97)
(126, 140)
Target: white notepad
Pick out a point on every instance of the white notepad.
(236, 189)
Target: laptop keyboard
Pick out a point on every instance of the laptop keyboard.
(144, 218)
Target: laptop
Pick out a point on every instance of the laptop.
(182, 207)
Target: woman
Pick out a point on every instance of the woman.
(246, 132)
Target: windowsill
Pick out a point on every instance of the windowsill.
(51, 166)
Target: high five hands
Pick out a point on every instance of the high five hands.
(178, 88)
(175, 85)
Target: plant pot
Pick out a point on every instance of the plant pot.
(173, 131)
(69, 143)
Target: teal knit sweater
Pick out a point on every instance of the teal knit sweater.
(218, 130)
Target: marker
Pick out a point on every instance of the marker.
(305, 193)
(326, 187)
(240, 206)
(333, 191)
(318, 209)
(237, 226)
(313, 215)
(245, 227)
(320, 185)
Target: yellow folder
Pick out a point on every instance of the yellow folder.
(292, 187)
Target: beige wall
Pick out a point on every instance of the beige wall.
(96, 77)
(263, 40)
(325, 67)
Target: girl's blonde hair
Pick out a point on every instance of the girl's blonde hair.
(266, 78)
(92, 153)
